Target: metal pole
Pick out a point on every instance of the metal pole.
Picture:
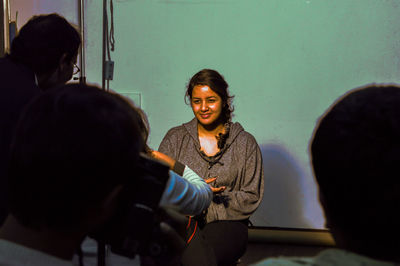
(101, 247)
(103, 82)
(2, 27)
(82, 55)
(7, 23)
(101, 254)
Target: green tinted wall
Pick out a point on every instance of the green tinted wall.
(286, 61)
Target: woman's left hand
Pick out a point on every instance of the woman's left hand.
(214, 189)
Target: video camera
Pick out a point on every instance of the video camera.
(135, 228)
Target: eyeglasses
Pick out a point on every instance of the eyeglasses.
(76, 69)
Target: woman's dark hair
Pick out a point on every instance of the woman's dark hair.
(43, 40)
(217, 83)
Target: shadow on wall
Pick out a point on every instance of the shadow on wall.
(283, 202)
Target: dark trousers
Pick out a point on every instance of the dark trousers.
(217, 243)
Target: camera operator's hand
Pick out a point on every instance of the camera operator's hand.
(173, 229)
(164, 158)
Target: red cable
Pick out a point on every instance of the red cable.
(190, 218)
(194, 231)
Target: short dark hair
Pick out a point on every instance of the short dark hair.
(72, 146)
(355, 154)
(43, 40)
(217, 83)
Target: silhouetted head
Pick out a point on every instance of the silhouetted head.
(47, 44)
(355, 156)
(73, 145)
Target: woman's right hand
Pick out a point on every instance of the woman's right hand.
(214, 189)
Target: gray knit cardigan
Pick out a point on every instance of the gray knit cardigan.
(238, 166)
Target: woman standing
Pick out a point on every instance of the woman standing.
(225, 154)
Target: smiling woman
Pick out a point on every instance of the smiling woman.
(228, 158)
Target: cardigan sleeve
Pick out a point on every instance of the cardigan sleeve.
(240, 204)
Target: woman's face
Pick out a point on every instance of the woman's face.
(206, 105)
